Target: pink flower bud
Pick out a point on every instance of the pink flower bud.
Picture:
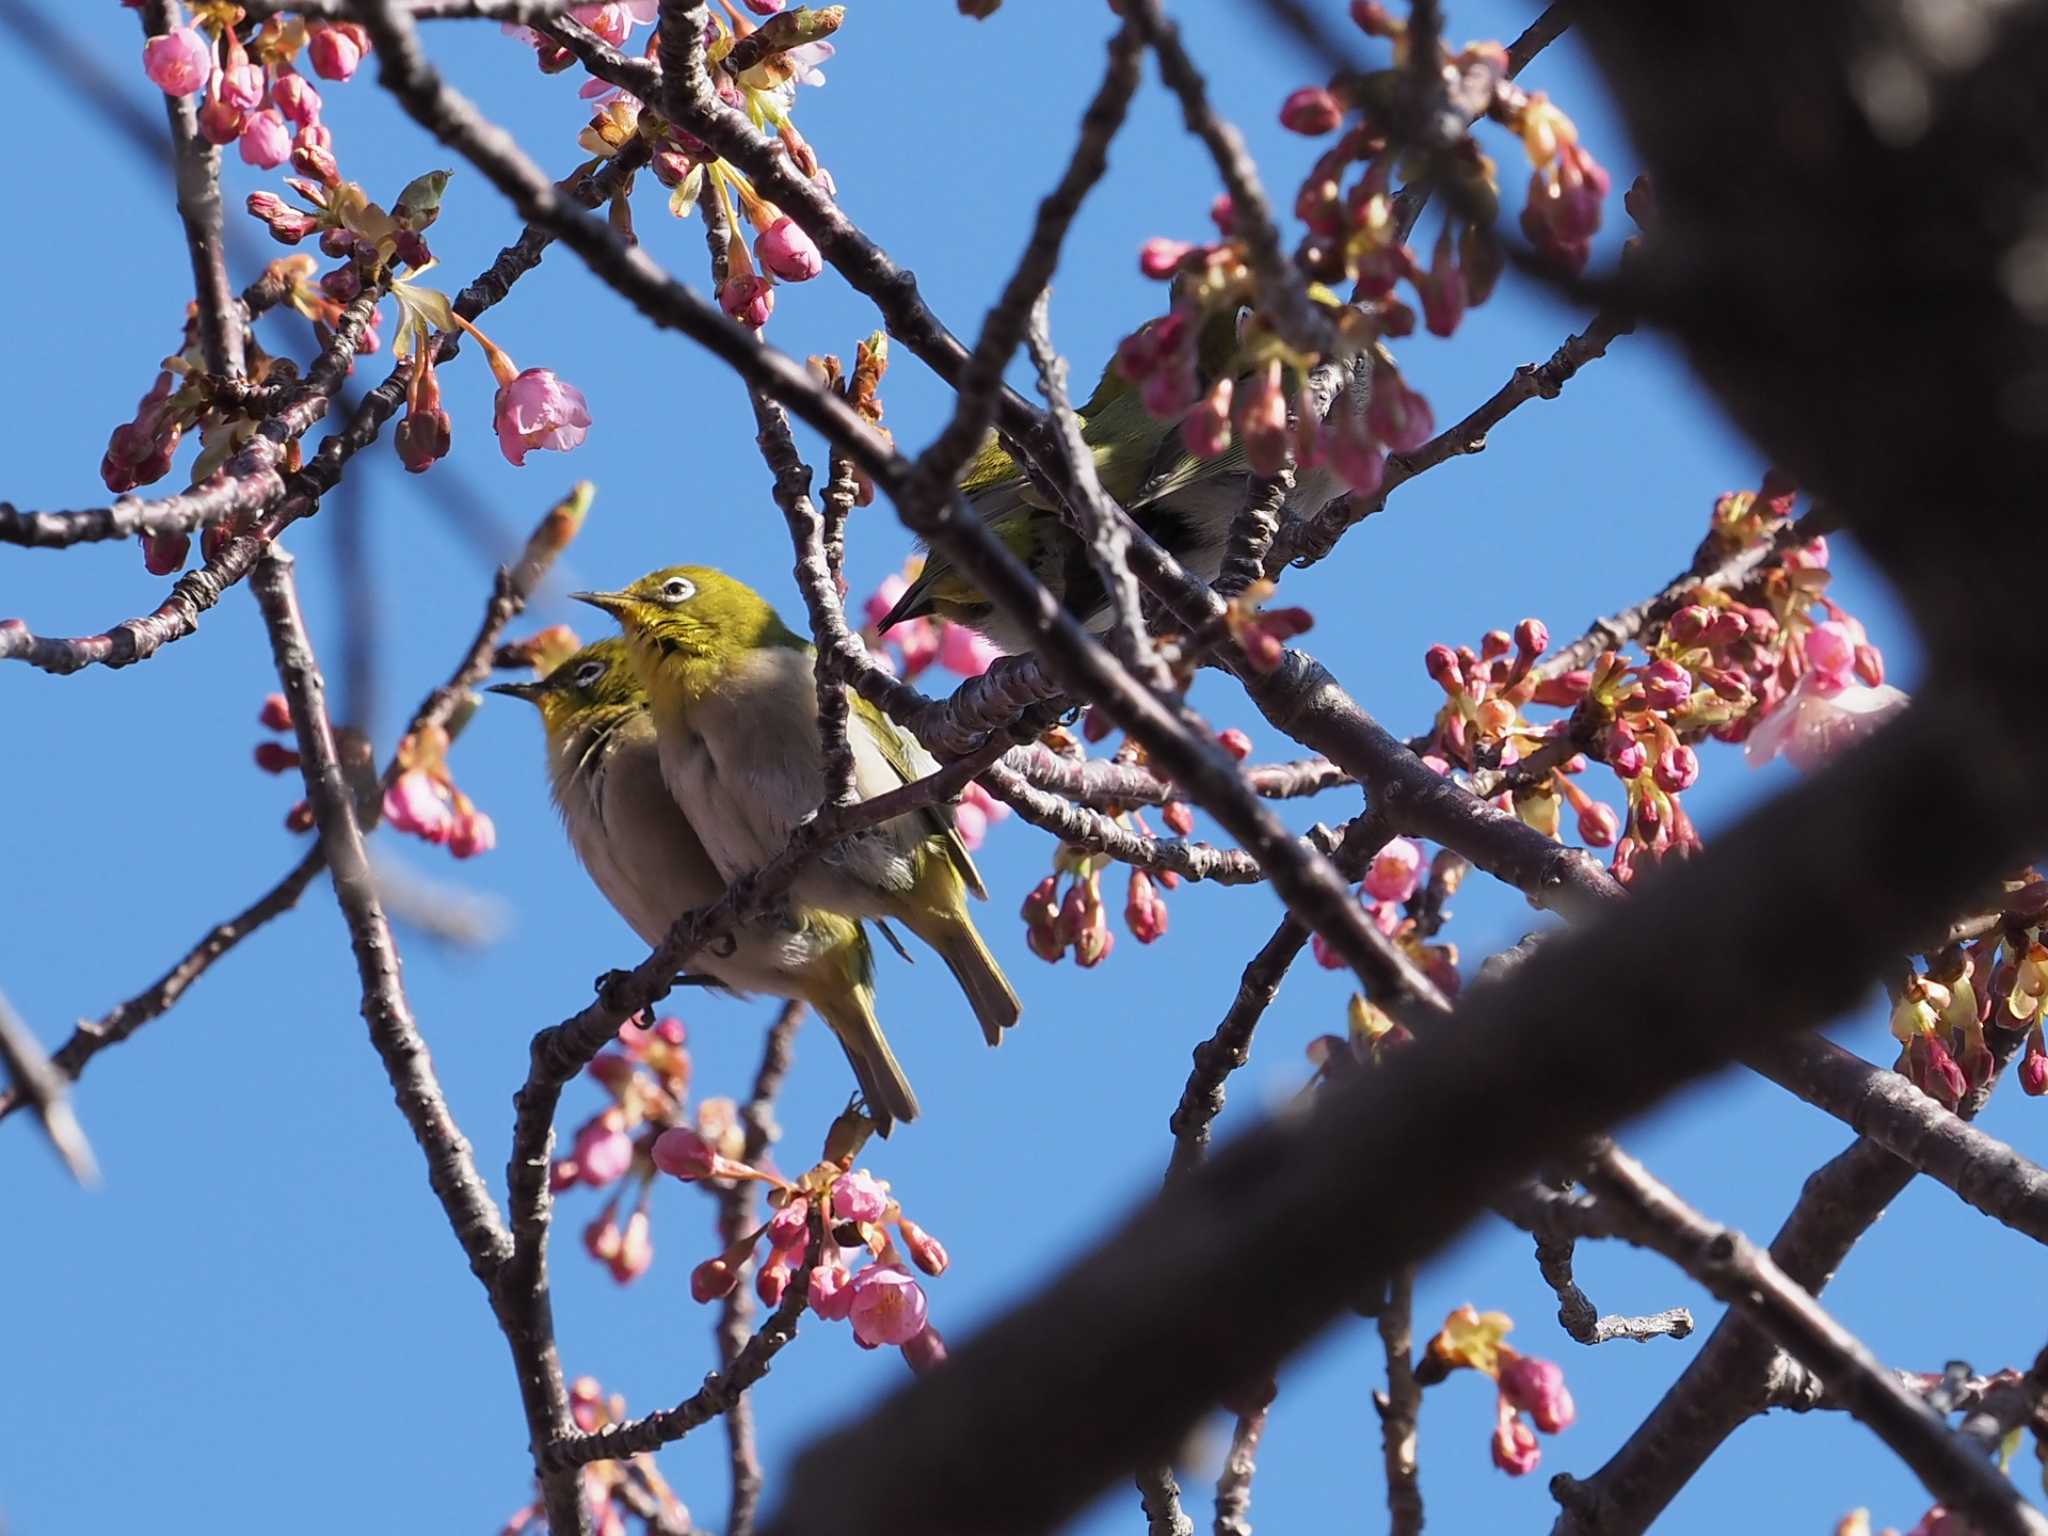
(771, 1281)
(1625, 755)
(1598, 825)
(472, 834)
(266, 141)
(636, 1249)
(299, 818)
(602, 1237)
(712, 1279)
(790, 1226)
(859, 1196)
(1041, 903)
(1179, 817)
(1441, 662)
(681, 1153)
(786, 251)
(1395, 871)
(603, 1150)
(831, 1292)
(1537, 1388)
(288, 225)
(1677, 770)
(887, 1307)
(1443, 289)
(2034, 1068)
(1093, 944)
(926, 1251)
(241, 82)
(1398, 416)
(926, 1351)
(1261, 420)
(164, 554)
(748, 297)
(275, 757)
(1144, 912)
(1666, 685)
(220, 122)
(537, 410)
(313, 155)
(1515, 1450)
(1206, 429)
(1158, 257)
(561, 1175)
(293, 95)
(336, 48)
(1532, 638)
(1235, 742)
(1222, 213)
(276, 714)
(179, 62)
(1311, 110)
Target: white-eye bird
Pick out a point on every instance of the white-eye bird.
(735, 708)
(604, 771)
(1185, 502)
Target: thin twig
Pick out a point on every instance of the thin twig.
(1234, 1482)
(1579, 1318)
(196, 166)
(38, 1083)
(1739, 1272)
(737, 1215)
(1159, 1497)
(1400, 1406)
(1305, 542)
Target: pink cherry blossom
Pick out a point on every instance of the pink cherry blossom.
(966, 651)
(859, 1196)
(266, 140)
(1395, 871)
(537, 410)
(884, 597)
(416, 803)
(472, 834)
(241, 85)
(1814, 721)
(764, 7)
(971, 824)
(610, 22)
(1831, 652)
(918, 640)
(636, 1249)
(888, 1306)
(786, 251)
(179, 62)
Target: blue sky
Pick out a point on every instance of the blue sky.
(262, 1315)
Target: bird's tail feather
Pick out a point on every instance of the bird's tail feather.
(851, 1017)
(988, 990)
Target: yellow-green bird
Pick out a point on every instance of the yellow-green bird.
(604, 771)
(736, 711)
(1185, 502)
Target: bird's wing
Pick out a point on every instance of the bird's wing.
(909, 761)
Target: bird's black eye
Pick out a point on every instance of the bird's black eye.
(589, 673)
(678, 589)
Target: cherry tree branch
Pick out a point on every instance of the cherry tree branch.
(1400, 1406)
(1738, 1272)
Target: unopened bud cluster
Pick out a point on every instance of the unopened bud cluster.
(1532, 1396)
(823, 1223)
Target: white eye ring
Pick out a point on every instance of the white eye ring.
(589, 673)
(678, 589)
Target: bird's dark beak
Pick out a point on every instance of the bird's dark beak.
(530, 692)
(617, 604)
